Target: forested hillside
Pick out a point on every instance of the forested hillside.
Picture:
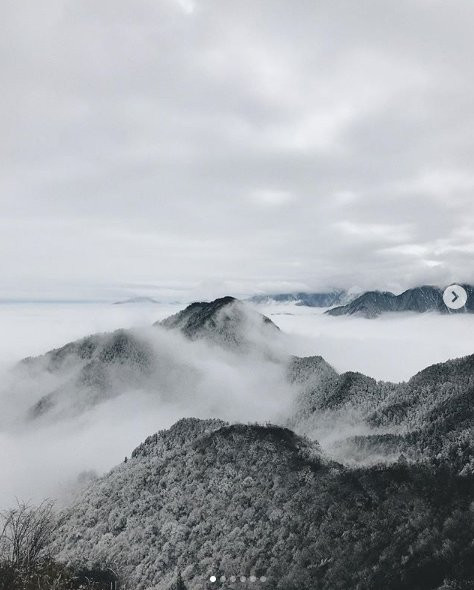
(229, 500)
(362, 420)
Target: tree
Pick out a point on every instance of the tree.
(179, 585)
(25, 534)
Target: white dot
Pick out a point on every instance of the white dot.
(253, 578)
(233, 578)
(263, 579)
(243, 579)
(213, 579)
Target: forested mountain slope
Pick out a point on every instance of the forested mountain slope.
(429, 417)
(207, 498)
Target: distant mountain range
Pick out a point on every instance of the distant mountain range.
(371, 304)
(327, 299)
(419, 299)
(137, 300)
(364, 484)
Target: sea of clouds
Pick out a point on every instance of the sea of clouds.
(44, 459)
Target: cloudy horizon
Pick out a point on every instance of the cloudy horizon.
(194, 148)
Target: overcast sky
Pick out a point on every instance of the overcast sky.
(197, 147)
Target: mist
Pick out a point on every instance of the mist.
(44, 458)
(392, 347)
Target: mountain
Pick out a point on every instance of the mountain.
(308, 299)
(361, 420)
(91, 370)
(226, 321)
(137, 300)
(419, 299)
(209, 498)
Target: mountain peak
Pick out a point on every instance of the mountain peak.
(137, 300)
(226, 321)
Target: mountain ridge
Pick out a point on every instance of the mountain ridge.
(372, 304)
(303, 298)
(256, 500)
(100, 366)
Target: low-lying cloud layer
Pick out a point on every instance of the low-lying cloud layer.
(392, 347)
(85, 432)
(45, 457)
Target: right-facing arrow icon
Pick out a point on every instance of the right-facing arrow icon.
(455, 297)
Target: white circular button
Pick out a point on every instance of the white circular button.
(455, 297)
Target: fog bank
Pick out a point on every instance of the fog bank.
(392, 347)
(44, 459)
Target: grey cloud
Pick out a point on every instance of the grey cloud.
(229, 144)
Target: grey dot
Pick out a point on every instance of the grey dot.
(243, 579)
(253, 578)
(233, 578)
(223, 578)
(263, 579)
